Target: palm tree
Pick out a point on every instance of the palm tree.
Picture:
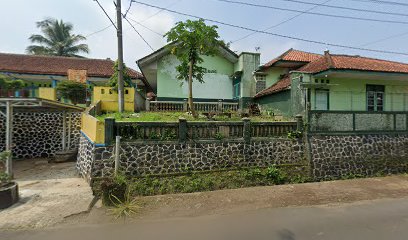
(57, 40)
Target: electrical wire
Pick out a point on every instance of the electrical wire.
(347, 8)
(140, 35)
(382, 2)
(144, 26)
(101, 30)
(273, 34)
(278, 24)
(314, 13)
(103, 9)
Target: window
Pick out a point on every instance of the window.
(237, 90)
(260, 83)
(102, 91)
(126, 91)
(322, 100)
(375, 97)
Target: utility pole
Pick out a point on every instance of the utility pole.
(121, 96)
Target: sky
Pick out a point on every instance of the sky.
(19, 18)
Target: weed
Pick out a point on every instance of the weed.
(125, 208)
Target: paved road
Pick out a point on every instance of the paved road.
(379, 219)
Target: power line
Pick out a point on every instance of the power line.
(101, 30)
(154, 14)
(127, 11)
(384, 39)
(142, 25)
(313, 13)
(140, 35)
(276, 25)
(274, 34)
(103, 9)
(347, 8)
(382, 2)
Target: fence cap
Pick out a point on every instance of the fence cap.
(299, 116)
(182, 119)
(246, 119)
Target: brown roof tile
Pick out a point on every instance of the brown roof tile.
(347, 62)
(294, 56)
(53, 65)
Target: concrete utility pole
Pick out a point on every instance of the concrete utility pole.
(121, 103)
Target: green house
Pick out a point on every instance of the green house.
(298, 81)
(229, 77)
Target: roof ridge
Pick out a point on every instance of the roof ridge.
(372, 58)
(58, 57)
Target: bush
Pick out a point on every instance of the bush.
(114, 190)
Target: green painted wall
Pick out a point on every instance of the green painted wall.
(248, 63)
(350, 94)
(217, 85)
(273, 75)
(279, 103)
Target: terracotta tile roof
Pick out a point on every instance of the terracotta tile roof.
(294, 56)
(53, 65)
(279, 86)
(347, 62)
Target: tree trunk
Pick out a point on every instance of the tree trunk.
(190, 90)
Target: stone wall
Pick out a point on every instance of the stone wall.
(137, 159)
(364, 155)
(85, 157)
(39, 134)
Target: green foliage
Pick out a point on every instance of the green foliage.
(113, 81)
(57, 40)
(195, 182)
(219, 136)
(174, 117)
(8, 84)
(295, 134)
(190, 40)
(126, 208)
(74, 91)
(117, 186)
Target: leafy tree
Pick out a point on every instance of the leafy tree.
(57, 40)
(113, 81)
(189, 41)
(8, 84)
(74, 91)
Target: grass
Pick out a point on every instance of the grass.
(194, 182)
(174, 116)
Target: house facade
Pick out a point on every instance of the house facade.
(337, 83)
(41, 74)
(229, 77)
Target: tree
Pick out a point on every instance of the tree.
(113, 81)
(74, 91)
(188, 42)
(57, 40)
(8, 84)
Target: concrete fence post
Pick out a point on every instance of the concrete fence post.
(185, 105)
(299, 123)
(117, 155)
(147, 103)
(247, 130)
(220, 107)
(182, 130)
(109, 130)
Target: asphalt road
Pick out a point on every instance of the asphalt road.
(378, 219)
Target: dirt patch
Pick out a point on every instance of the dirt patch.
(49, 192)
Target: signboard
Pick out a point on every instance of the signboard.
(77, 75)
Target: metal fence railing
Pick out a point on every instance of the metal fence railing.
(178, 106)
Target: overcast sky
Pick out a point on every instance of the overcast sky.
(19, 16)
